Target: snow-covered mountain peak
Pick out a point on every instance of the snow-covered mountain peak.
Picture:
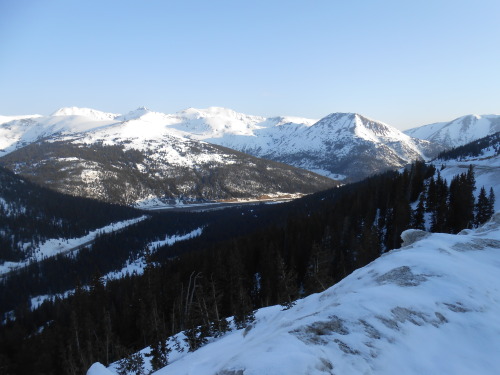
(459, 131)
(361, 126)
(90, 113)
(286, 120)
(195, 113)
(6, 119)
(215, 122)
(135, 114)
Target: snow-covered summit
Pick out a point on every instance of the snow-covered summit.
(135, 114)
(331, 145)
(349, 124)
(458, 132)
(90, 113)
(218, 122)
(5, 119)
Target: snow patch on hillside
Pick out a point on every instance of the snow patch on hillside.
(55, 246)
(138, 265)
(486, 172)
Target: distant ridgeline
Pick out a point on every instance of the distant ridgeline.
(473, 149)
(245, 259)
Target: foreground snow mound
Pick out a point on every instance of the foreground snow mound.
(98, 369)
(432, 307)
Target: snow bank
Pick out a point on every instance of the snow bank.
(98, 369)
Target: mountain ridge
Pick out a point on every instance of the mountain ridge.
(459, 131)
(345, 146)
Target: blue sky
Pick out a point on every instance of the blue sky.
(406, 63)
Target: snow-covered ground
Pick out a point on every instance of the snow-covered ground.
(486, 171)
(56, 246)
(138, 265)
(431, 307)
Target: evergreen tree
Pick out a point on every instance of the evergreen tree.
(461, 201)
(159, 355)
(491, 203)
(432, 199)
(132, 364)
(482, 208)
(418, 218)
(440, 211)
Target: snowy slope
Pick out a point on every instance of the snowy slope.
(486, 171)
(338, 146)
(19, 131)
(431, 307)
(458, 132)
(217, 122)
(91, 114)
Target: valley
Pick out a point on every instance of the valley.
(166, 246)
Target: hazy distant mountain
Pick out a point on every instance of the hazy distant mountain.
(458, 132)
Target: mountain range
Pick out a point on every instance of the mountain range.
(211, 154)
(99, 282)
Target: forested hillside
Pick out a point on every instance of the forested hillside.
(30, 214)
(304, 247)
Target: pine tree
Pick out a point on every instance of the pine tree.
(491, 203)
(418, 218)
(432, 199)
(132, 364)
(159, 355)
(461, 202)
(482, 208)
(440, 211)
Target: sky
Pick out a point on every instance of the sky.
(406, 63)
